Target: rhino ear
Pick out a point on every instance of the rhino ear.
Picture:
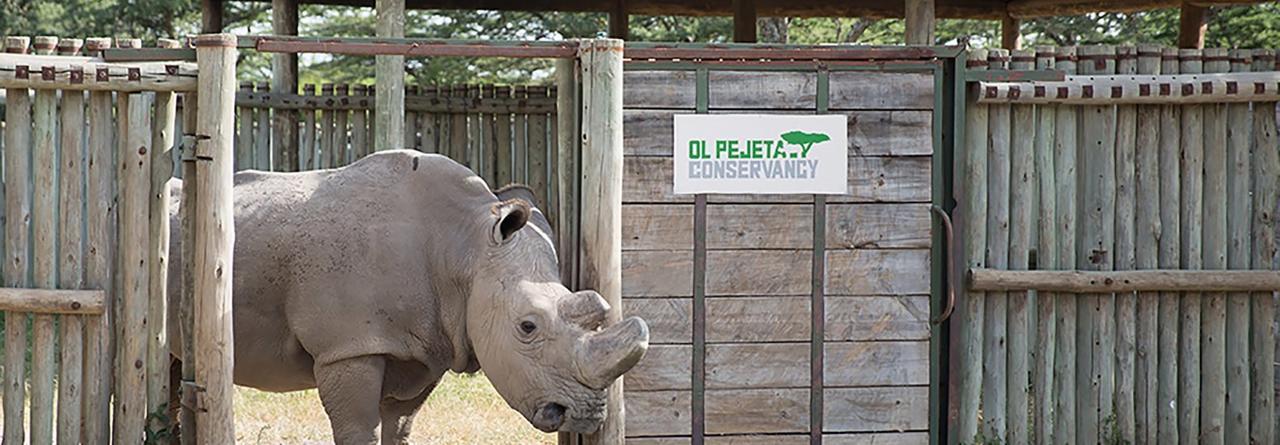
(511, 215)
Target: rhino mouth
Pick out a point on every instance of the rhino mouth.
(549, 417)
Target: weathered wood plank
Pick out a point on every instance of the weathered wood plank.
(538, 150)
(658, 413)
(871, 133)
(411, 121)
(898, 408)
(1065, 349)
(70, 255)
(1126, 304)
(1146, 247)
(906, 438)
(1266, 193)
(17, 166)
(262, 136)
(328, 132)
(307, 151)
(1022, 185)
(1213, 327)
(1043, 396)
(98, 258)
(341, 130)
(881, 179)
(737, 411)
(970, 310)
(858, 318)
(44, 247)
(135, 186)
(1168, 257)
(785, 365)
(51, 301)
(1191, 215)
(995, 330)
(658, 89)
(503, 143)
(754, 272)
(851, 90)
(161, 152)
(1239, 212)
(360, 128)
(872, 226)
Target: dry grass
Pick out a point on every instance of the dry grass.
(464, 409)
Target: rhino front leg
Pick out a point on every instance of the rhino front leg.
(397, 418)
(350, 392)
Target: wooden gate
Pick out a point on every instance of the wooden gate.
(1117, 225)
(784, 319)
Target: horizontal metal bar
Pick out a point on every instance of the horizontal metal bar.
(1013, 75)
(1168, 280)
(532, 105)
(52, 301)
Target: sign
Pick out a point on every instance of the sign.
(761, 154)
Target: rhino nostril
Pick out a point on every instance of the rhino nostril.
(549, 417)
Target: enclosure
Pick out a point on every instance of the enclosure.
(1110, 275)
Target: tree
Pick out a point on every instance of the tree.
(804, 140)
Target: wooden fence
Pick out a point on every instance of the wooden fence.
(87, 153)
(1130, 185)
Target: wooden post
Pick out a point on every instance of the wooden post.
(1170, 254)
(389, 107)
(411, 121)
(602, 199)
(538, 150)
(1191, 26)
(1146, 246)
(327, 130)
(307, 151)
(284, 80)
(1191, 212)
(1266, 170)
(215, 236)
(503, 158)
(1213, 385)
(186, 303)
(1045, 302)
(619, 26)
(1126, 303)
(44, 204)
(1239, 212)
(1021, 219)
(970, 308)
(99, 257)
(70, 255)
(340, 135)
(359, 125)
(210, 16)
(432, 130)
(920, 22)
(244, 138)
(995, 393)
(161, 152)
(744, 21)
(262, 135)
(135, 186)
(472, 157)
(17, 163)
(1066, 350)
(1010, 34)
(520, 160)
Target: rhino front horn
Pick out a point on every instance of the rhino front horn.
(612, 352)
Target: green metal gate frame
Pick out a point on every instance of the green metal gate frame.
(945, 64)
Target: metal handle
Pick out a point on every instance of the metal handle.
(951, 281)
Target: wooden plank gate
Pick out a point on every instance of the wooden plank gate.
(1120, 239)
(786, 319)
(86, 156)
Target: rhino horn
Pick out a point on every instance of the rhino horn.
(584, 308)
(609, 353)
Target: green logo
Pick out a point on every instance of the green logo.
(804, 140)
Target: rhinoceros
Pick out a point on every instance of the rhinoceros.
(371, 281)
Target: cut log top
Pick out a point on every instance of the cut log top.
(1144, 89)
(1174, 280)
(93, 73)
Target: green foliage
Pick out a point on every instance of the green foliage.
(160, 427)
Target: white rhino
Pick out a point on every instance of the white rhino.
(369, 282)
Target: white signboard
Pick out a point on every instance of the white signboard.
(761, 154)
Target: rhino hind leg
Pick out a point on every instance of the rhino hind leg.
(397, 417)
(345, 391)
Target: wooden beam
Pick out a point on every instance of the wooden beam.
(744, 21)
(389, 81)
(920, 18)
(1191, 26)
(619, 23)
(1172, 280)
(52, 301)
(210, 16)
(1147, 89)
(284, 79)
(1010, 33)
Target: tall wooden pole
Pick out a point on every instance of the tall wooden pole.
(215, 236)
(284, 79)
(920, 22)
(1010, 37)
(744, 21)
(211, 16)
(389, 79)
(1191, 27)
(619, 26)
(602, 198)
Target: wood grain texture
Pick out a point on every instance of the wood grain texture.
(871, 133)
(1097, 243)
(1146, 254)
(161, 152)
(1213, 327)
(738, 411)
(871, 226)
(307, 149)
(71, 336)
(99, 259)
(852, 318)
(1239, 212)
(757, 272)
(1065, 351)
(244, 133)
(186, 298)
(17, 228)
(1169, 255)
(658, 89)
(879, 91)
(995, 394)
(1045, 213)
(1126, 304)
(1266, 193)
(883, 179)
(135, 188)
(906, 438)
(389, 78)
(44, 257)
(1191, 239)
(785, 365)
(1022, 185)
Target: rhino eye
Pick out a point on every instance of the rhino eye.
(527, 327)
